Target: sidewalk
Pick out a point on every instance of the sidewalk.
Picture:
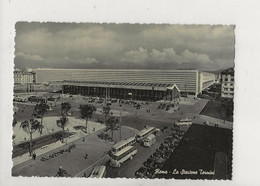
(47, 148)
(221, 123)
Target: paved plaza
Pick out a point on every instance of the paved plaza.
(132, 121)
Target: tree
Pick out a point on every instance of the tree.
(65, 107)
(86, 112)
(30, 127)
(105, 112)
(112, 124)
(39, 110)
(63, 121)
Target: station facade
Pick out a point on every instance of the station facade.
(140, 84)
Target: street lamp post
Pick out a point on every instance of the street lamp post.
(120, 105)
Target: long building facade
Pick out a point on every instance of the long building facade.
(139, 84)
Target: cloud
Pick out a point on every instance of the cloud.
(71, 45)
(166, 56)
(29, 57)
(135, 56)
(88, 61)
(189, 57)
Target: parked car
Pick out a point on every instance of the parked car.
(148, 162)
(141, 173)
(164, 129)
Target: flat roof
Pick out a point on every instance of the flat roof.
(121, 143)
(145, 130)
(121, 83)
(119, 153)
(130, 85)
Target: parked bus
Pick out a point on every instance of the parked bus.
(121, 156)
(98, 172)
(144, 133)
(185, 122)
(149, 140)
(122, 144)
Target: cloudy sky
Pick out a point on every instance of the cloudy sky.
(135, 46)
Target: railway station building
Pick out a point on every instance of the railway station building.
(150, 85)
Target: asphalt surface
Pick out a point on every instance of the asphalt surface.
(128, 168)
(75, 163)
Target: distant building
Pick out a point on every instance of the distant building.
(217, 78)
(227, 83)
(24, 76)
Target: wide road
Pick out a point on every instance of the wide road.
(128, 168)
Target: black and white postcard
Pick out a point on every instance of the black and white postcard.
(129, 93)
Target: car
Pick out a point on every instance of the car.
(167, 141)
(155, 155)
(166, 155)
(150, 172)
(141, 173)
(164, 129)
(159, 162)
(148, 162)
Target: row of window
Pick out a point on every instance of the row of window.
(130, 143)
(231, 84)
(231, 79)
(228, 89)
(228, 94)
(124, 154)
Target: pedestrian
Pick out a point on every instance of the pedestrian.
(60, 168)
(34, 156)
(86, 156)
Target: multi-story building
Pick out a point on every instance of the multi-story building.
(227, 83)
(141, 84)
(24, 76)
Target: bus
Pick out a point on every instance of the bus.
(185, 121)
(98, 172)
(149, 140)
(121, 156)
(122, 144)
(144, 133)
